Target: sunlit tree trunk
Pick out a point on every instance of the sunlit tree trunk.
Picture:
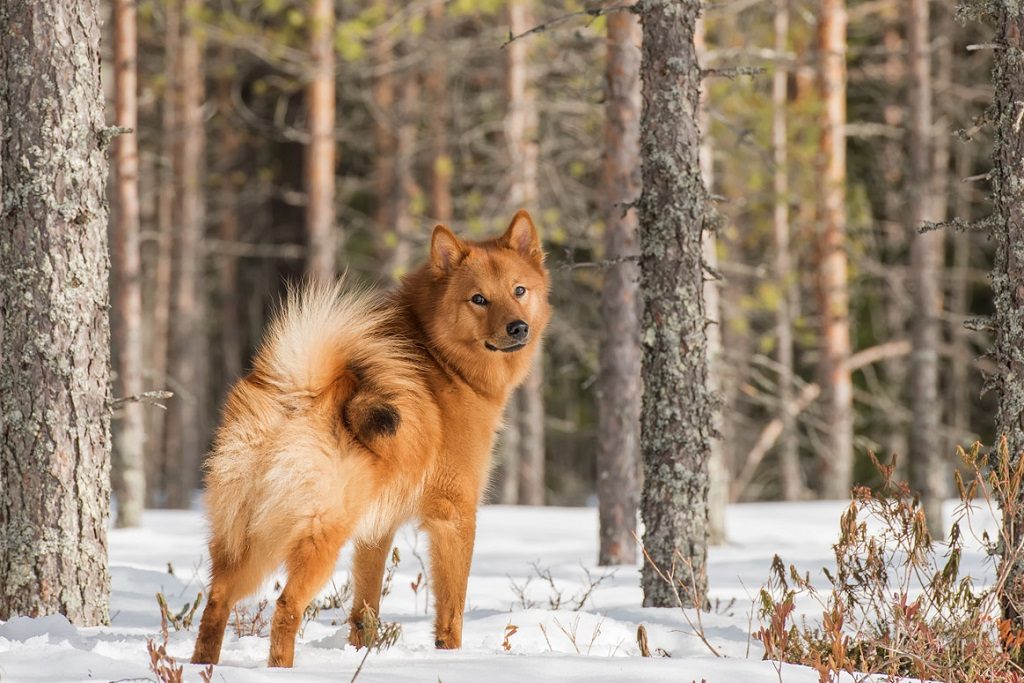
(129, 474)
(157, 470)
(319, 160)
(382, 93)
(836, 458)
(618, 408)
(718, 468)
(54, 381)
(676, 417)
(186, 425)
(790, 476)
(436, 84)
(405, 187)
(526, 411)
(929, 470)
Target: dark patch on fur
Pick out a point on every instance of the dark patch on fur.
(381, 420)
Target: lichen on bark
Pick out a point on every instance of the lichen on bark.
(676, 422)
(54, 422)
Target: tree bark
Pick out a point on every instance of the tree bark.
(158, 471)
(526, 412)
(319, 161)
(1007, 225)
(383, 95)
(186, 427)
(436, 84)
(54, 422)
(836, 459)
(618, 406)
(405, 188)
(676, 417)
(129, 474)
(790, 475)
(929, 470)
(718, 468)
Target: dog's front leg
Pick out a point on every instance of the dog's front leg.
(451, 525)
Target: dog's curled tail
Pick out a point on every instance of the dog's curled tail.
(320, 331)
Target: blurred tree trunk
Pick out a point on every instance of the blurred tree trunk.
(436, 83)
(525, 413)
(790, 476)
(158, 469)
(54, 420)
(1007, 226)
(718, 469)
(405, 187)
(676, 418)
(129, 474)
(229, 149)
(928, 469)
(383, 96)
(319, 160)
(186, 427)
(618, 407)
(836, 459)
(894, 165)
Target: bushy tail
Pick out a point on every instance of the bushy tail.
(319, 330)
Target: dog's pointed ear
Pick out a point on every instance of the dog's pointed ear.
(522, 236)
(446, 250)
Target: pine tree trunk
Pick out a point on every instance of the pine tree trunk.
(1007, 225)
(185, 427)
(129, 474)
(676, 413)
(229, 326)
(436, 84)
(521, 140)
(319, 161)
(836, 459)
(718, 468)
(790, 475)
(54, 422)
(383, 96)
(158, 471)
(405, 188)
(618, 440)
(928, 468)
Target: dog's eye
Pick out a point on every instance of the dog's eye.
(478, 299)
(520, 291)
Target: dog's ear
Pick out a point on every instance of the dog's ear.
(522, 237)
(446, 250)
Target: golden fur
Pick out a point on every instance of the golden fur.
(362, 413)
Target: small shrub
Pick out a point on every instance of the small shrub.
(249, 620)
(896, 603)
(182, 621)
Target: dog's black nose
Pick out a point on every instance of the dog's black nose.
(518, 329)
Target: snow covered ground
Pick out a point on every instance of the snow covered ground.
(597, 643)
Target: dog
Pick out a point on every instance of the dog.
(364, 412)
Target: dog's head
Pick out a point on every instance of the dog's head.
(495, 297)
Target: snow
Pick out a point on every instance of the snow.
(595, 644)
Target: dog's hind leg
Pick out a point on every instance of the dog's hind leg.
(368, 569)
(309, 565)
(229, 582)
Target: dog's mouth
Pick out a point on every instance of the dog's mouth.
(508, 349)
